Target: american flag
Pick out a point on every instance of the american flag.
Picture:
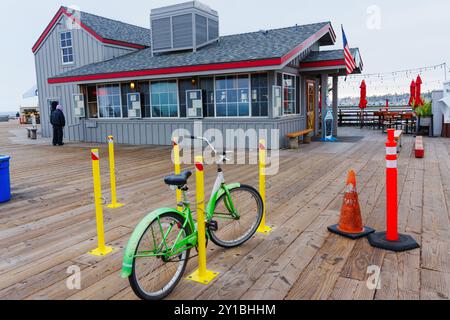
(350, 63)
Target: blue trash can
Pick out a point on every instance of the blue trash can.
(5, 183)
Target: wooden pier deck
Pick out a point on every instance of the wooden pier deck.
(50, 224)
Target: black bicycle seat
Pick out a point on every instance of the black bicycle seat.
(178, 180)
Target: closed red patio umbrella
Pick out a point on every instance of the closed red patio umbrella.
(363, 99)
(419, 101)
(413, 93)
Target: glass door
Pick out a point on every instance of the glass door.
(311, 104)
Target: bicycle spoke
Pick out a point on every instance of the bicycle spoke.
(237, 215)
(156, 271)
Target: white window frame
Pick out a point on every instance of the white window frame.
(121, 102)
(249, 103)
(296, 94)
(62, 48)
(178, 99)
(274, 87)
(84, 102)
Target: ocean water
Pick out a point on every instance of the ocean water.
(12, 113)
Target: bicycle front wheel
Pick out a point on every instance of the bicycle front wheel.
(157, 269)
(236, 228)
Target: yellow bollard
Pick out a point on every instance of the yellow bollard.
(262, 185)
(112, 169)
(177, 161)
(102, 249)
(202, 275)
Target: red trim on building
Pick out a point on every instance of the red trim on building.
(63, 11)
(199, 68)
(174, 70)
(322, 64)
(308, 42)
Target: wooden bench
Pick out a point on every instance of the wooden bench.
(293, 138)
(398, 138)
(419, 148)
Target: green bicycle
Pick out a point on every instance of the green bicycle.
(159, 249)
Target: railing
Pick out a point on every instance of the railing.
(350, 116)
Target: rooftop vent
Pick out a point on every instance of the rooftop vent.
(185, 26)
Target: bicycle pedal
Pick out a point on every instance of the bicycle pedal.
(213, 226)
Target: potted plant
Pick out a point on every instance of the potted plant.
(424, 116)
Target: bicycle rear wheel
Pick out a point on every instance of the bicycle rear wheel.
(234, 231)
(155, 275)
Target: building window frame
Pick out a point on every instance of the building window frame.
(120, 97)
(63, 45)
(249, 96)
(177, 95)
(296, 79)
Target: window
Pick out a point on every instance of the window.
(66, 47)
(164, 96)
(92, 101)
(144, 89)
(260, 95)
(289, 94)
(232, 96)
(109, 101)
(207, 85)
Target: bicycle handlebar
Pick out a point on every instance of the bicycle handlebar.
(203, 139)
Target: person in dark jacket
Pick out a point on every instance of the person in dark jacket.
(52, 110)
(58, 122)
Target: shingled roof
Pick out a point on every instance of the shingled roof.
(328, 55)
(331, 59)
(262, 46)
(104, 29)
(116, 30)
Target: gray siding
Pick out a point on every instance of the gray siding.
(182, 31)
(159, 132)
(162, 34)
(201, 29)
(48, 63)
(213, 30)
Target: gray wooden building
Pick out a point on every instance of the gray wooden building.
(140, 85)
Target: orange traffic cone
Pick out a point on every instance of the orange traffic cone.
(350, 224)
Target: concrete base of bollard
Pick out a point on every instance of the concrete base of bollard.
(352, 236)
(405, 242)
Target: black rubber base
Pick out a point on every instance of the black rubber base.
(405, 243)
(353, 236)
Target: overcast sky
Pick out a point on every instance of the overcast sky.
(392, 35)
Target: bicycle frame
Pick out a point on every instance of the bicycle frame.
(191, 241)
(179, 247)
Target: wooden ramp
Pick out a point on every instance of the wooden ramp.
(50, 224)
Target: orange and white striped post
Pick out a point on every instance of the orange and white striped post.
(391, 188)
(391, 239)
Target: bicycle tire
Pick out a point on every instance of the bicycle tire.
(216, 238)
(135, 283)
